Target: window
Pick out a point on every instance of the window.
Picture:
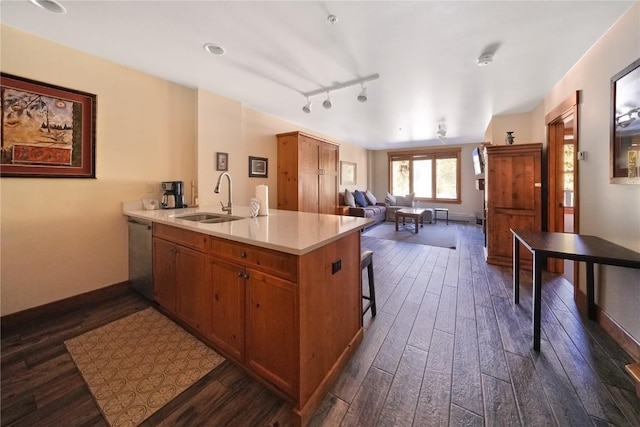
(434, 175)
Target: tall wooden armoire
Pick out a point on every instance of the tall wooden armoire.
(307, 173)
(513, 193)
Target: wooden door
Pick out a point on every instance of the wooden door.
(164, 274)
(192, 295)
(514, 189)
(328, 191)
(309, 173)
(271, 343)
(227, 302)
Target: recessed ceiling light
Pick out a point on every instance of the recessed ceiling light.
(484, 60)
(214, 49)
(50, 5)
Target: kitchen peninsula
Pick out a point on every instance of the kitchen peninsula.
(278, 294)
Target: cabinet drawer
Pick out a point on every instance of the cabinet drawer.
(181, 236)
(277, 263)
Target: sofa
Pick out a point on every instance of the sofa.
(372, 209)
(393, 203)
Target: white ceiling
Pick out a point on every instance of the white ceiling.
(425, 53)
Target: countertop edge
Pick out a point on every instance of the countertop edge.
(150, 216)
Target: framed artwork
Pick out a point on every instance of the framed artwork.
(624, 163)
(222, 161)
(348, 173)
(258, 167)
(47, 131)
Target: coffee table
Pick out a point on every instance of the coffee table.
(414, 213)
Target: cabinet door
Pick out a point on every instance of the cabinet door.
(271, 341)
(191, 290)
(328, 192)
(226, 327)
(309, 175)
(164, 274)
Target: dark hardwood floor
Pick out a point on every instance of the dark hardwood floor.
(448, 347)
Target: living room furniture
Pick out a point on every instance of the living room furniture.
(307, 173)
(342, 210)
(377, 212)
(414, 213)
(436, 210)
(513, 192)
(576, 247)
(366, 261)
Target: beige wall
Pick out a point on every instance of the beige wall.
(64, 237)
(226, 126)
(519, 124)
(610, 211)
(471, 198)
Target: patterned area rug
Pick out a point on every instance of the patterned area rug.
(444, 236)
(137, 364)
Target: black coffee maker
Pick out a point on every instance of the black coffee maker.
(173, 196)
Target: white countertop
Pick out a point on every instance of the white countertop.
(287, 231)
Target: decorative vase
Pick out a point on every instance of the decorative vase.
(509, 138)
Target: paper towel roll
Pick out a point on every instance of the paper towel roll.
(262, 194)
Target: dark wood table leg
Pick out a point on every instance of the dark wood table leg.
(591, 300)
(397, 217)
(516, 270)
(537, 298)
(415, 220)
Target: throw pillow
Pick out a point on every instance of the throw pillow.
(401, 201)
(370, 197)
(360, 199)
(390, 199)
(409, 199)
(348, 199)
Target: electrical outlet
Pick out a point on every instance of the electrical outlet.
(336, 266)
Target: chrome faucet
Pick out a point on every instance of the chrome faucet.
(227, 208)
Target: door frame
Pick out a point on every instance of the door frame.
(555, 144)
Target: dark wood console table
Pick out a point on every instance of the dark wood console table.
(577, 247)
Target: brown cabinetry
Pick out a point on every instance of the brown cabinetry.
(291, 320)
(307, 173)
(513, 193)
(180, 284)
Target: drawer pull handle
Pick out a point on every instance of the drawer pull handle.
(243, 254)
(239, 274)
(246, 276)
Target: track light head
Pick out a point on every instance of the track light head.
(362, 97)
(307, 107)
(327, 102)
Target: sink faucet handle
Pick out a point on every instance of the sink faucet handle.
(222, 204)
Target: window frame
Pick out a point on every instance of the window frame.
(433, 154)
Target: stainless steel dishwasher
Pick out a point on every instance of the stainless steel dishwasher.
(140, 256)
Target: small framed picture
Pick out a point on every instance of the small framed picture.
(258, 167)
(222, 161)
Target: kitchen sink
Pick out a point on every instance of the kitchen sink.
(208, 218)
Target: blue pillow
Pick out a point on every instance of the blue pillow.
(360, 199)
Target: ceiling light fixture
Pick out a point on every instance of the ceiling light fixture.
(362, 96)
(50, 5)
(214, 49)
(442, 133)
(307, 107)
(327, 102)
(484, 60)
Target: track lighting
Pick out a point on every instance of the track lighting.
(362, 97)
(327, 103)
(307, 107)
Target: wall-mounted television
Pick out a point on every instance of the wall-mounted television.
(478, 162)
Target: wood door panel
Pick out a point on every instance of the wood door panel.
(227, 302)
(192, 294)
(164, 273)
(271, 331)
